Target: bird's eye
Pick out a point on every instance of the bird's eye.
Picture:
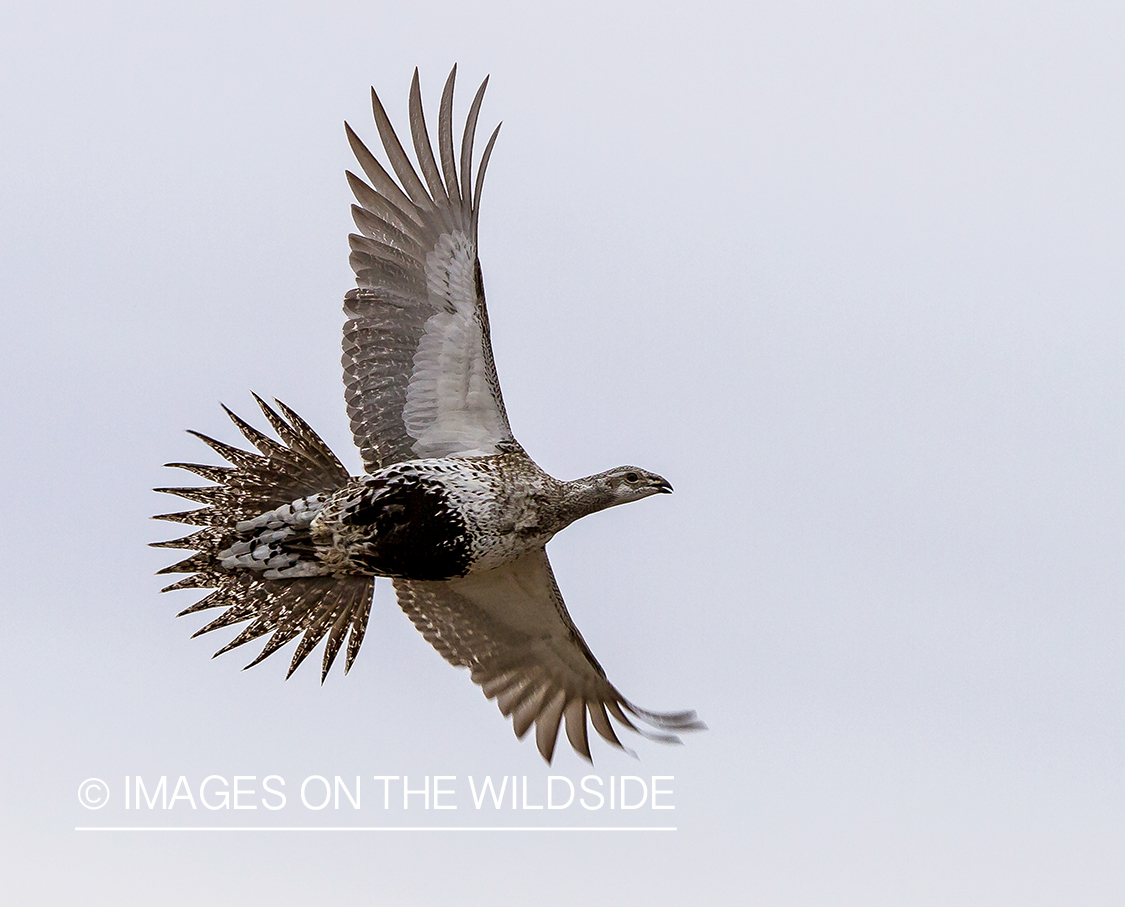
(632, 478)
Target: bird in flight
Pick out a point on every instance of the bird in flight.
(451, 508)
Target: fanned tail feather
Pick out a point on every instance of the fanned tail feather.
(299, 466)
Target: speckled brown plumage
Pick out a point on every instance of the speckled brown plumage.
(452, 509)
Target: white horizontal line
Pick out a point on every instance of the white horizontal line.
(373, 828)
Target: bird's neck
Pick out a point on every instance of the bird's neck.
(582, 497)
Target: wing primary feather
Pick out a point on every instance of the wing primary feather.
(425, 152)
(644, 732)
(393, 222)
(445, 140)
(380, 179)
(399, 161)
(615, 710)
(526, 711)
(493, 685)
(526, 685)
(575, 715)
(467, 150)
(547, 724)
(381, 250)
(678, 721)
(480, 176)
(600, 720)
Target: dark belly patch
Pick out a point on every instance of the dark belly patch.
(414, 531)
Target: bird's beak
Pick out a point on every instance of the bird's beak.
(664, 486)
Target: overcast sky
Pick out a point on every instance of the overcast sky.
(850, 275)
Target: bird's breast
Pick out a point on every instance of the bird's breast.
(434, 519)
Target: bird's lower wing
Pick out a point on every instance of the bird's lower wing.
(510, 628)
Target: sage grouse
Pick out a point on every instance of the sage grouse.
(451, 509)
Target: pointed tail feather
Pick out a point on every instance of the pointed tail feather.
(299, 467)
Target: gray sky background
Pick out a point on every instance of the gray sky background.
(850, 275)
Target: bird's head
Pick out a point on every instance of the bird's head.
(607, 489)
(629, 483)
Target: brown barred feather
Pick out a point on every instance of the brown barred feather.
(288, 542)
(297, 466)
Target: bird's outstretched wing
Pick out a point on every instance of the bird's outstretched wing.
(510, 628)
(418, 371)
